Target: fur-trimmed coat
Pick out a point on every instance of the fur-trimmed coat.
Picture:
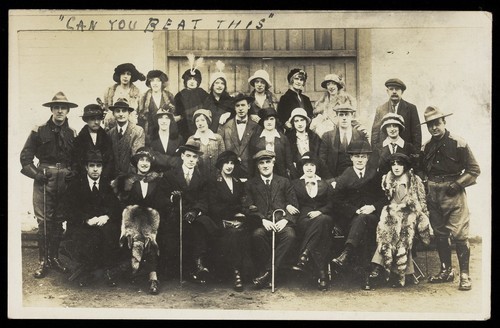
(404, 218)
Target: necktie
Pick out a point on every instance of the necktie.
(188, 178)
(344, 142)
(94, 188)
(241, 121)
(361, 175)
(393, 145)
(393, 108)
(268, 185)
(120, 133)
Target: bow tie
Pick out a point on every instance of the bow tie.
(241, 121)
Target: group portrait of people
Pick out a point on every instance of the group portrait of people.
(209, 186)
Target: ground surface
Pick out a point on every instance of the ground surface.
(294, 298)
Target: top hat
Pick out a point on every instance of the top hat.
(225, 157)
(359, 147)
(93, 155)
(142, 152)
(241, 96)
(393, 118)
(191, 145)
(92, 110)
(294, 71)
(395, 83)
(121, 103)
(333, 78)
(260, 74)
(433, 113)
(60, 99)
(264, 154)
(156, 73)
(127, 67)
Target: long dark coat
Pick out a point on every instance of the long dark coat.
(124, 148)
(289, 101)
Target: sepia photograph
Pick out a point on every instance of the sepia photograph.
(249, 165)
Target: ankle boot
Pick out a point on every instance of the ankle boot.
(341, 261)
(322, 280)
(42, 270)
(463, 254)
(201, 273)
(54, 261)
(238, 284)
(302, 262)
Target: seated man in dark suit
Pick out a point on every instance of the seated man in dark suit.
(94, 217)
(266, 193)
(357, 201)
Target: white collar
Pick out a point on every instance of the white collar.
(267, 178)
(360, 171)
(91, 182)
(124, 127)
(316, 178)
(400, 142)
(210, 134)
(268, 134)
(187, 171)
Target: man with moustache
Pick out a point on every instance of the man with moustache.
(237, 133)
(52, 144)
(412, 132)
(448, 167)
(266, 193)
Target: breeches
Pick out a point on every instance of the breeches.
(449, 216)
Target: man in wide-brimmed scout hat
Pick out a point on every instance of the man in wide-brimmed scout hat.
(396, 104)
(52, 143)
(449, 167)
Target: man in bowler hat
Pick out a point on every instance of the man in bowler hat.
(52, 144)
(448, 167)
(412, 132)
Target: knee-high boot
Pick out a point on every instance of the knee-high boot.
(43, 265)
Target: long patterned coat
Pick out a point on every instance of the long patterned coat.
(123, 149)
(400, 220)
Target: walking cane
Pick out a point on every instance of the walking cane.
(273, 248)
(180, 240)
(46, 248)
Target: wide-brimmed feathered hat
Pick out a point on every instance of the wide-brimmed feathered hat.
(193, 71)
(60, 99)
(128, 67)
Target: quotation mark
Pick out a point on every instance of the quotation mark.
(61, 17)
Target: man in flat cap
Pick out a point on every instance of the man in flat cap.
(267, 193)
(448, 167)
(412, 132)
(52, 144)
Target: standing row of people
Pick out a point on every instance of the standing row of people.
(318, 181)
